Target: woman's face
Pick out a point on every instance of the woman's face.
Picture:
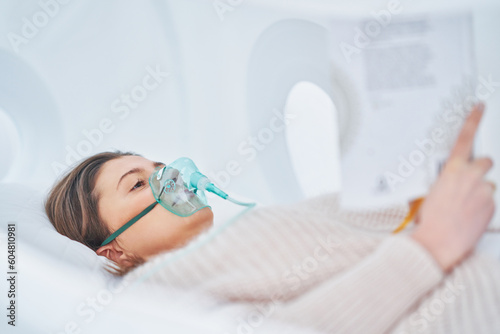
(124, 192)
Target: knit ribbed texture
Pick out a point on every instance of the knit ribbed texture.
(334, 271)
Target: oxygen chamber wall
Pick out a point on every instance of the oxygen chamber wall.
(244, 88)
(171, 78)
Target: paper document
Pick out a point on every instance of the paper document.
(413, 82)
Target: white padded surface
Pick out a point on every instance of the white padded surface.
(58, 278)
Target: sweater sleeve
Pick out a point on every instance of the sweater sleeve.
(372, 296)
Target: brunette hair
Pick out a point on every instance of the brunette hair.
(71, 207)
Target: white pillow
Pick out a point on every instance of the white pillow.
(23, 205)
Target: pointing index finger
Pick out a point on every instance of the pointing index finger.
(465, 140)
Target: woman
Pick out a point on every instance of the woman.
(310, 264)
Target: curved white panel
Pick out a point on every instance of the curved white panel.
(313, 140)
(29, 104)
(288, 52)
(9, 144)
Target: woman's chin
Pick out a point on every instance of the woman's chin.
(207, 217)
(202, 219)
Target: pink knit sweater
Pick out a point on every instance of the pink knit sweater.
(313, 265)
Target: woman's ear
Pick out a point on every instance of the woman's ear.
(114, 253)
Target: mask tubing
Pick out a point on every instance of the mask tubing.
(215, 190)
(230, 199)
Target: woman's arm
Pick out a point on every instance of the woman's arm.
(371, 297)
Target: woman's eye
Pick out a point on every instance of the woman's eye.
(139, 183)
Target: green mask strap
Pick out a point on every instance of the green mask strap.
(127, 225)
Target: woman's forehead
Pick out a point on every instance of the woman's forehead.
(113, 170)
(117, 167)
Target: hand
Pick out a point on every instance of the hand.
(460, 204)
